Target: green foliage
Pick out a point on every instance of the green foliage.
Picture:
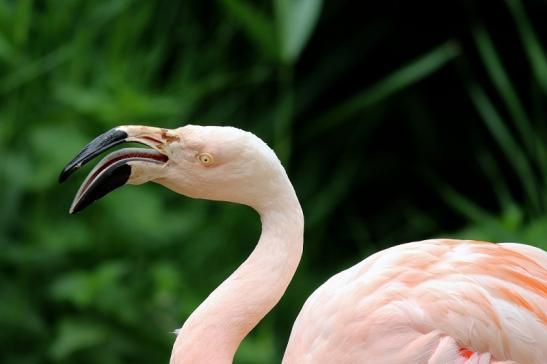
(257, 25)
(295, 22)
(530, 41)
(523, 149)
(396, 81)
(281, 36)
(357, 115)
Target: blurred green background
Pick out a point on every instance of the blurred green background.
(396, 120)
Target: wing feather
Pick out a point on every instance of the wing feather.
(488, 298)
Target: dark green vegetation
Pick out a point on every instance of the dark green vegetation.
(395, 122)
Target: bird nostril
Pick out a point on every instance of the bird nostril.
(169, 137)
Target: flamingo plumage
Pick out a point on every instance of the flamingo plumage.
(435, 301)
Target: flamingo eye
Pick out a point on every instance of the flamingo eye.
(205, 159)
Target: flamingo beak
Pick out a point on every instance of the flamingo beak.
(117, 168)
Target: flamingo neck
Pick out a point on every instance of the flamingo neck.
(215, 329)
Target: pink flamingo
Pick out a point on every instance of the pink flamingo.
(435, 301)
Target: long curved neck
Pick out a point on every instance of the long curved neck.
(215, 329)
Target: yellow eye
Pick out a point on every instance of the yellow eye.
(206, 159)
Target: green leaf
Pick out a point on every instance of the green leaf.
(504, 86)
(32, 70)
(497, 181)
(7, 51)
(74, 335)
(256, 25)
(257, 348)
(465, 206)
(532, 46)
(84, 289)
(51, 144)
(505, 140)
(296, 20)
(22, 17)
(400, 79)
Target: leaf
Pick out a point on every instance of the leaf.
(74, 335)
(464, 206)
(504, 86)
(499, 184)
(17, 312)
(258, 347)
(22, 23)
(333, 191)
(32, 70)
(256, 25)
(84, 289)
(506, 142)
(7, 51)
(51, 144)
(532, 46)
(400, 79)
(296, 20)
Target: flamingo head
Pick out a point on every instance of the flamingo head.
(209, 162)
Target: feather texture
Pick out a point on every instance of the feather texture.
(435, 301)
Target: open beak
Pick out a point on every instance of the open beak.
(115, 169)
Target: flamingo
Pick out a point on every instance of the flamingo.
(434, 301)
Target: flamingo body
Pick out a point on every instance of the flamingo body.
(435, 301)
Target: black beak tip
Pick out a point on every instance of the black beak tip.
(115, 176)
(94, 148)
(64, 174)
(75, 209)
